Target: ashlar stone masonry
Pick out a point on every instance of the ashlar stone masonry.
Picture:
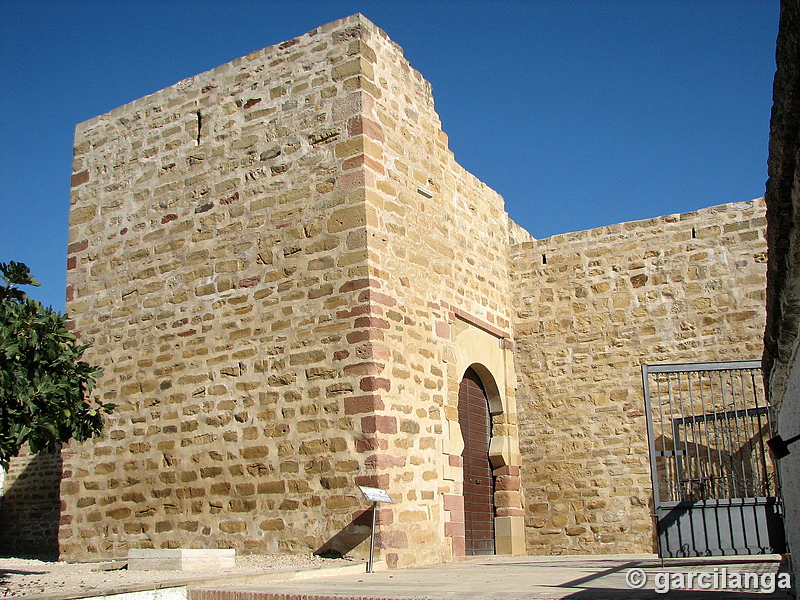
(592, 307)
(254, 258)
(286, 275)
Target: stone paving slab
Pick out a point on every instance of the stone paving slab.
(183, 581)
(528, 578)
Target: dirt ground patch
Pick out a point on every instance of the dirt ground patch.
(24, 577)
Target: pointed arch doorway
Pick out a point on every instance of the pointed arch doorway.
(476, 429)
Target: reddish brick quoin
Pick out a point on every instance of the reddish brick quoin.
(391, 539)
(77, 246)
(457, 516)
(378, 424)
(364, 368)
(355, 337)
(373, 296)
(506, 470)
(383, 516)
(459, 545)
(373, 351)
(453, 502)
(362, 404)
(376, 322)
(371, 443)
(362, 309)
(358, 284)
(363, 517)
(360, 124)
(376, 480)
(507, 483)
(370, 384)
(80, 178)
(454, 529)
(384, 461)
(362, 160)
(351, 180)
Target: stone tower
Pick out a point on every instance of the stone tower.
(285, 276)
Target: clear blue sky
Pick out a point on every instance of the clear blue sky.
(580, 113)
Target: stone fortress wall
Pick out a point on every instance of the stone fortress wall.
(591, 308)
(218, 254)
(285, 275)
(30, 507)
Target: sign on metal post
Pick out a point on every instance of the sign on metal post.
(374, 495)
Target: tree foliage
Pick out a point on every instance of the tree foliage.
(43, 381)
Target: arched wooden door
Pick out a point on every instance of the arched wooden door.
(476, 429)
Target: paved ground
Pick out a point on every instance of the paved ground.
(530, 578)
(62, 580)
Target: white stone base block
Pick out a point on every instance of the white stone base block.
(182, 559)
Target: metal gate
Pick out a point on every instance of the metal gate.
(715, 486)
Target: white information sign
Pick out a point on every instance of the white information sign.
(375, 494)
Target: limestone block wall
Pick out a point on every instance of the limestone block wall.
(30, 505)
(590, 308)
(218, 254)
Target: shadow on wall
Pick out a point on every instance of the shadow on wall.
(31, 507)
(356, 532)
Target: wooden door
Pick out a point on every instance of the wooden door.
(476, 429)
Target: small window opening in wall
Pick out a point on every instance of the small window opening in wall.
(425, 192)
(544, 259)
(199, 126)
(694, 233)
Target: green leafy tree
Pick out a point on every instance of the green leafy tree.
(43, 381)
